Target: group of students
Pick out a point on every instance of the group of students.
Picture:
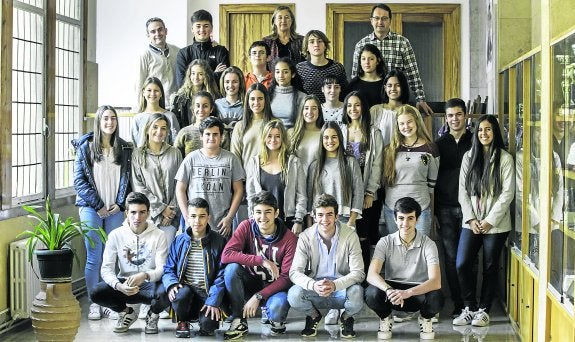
(257, 165)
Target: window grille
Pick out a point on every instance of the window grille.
(36, 171)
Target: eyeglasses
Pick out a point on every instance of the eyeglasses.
(380, 18)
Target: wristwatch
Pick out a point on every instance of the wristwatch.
(259, 296)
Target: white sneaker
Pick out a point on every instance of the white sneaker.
(111, 314)
(435, 319)
(480, 319)
(403, 316)
(94, 313)
(151, 323)
(464, 318)
(331, 317)
(125, 320)
(144, 308)
(164, 315)
(426, 329)
(385, 325)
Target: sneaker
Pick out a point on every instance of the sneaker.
(164, 315)
(265, 319)
(310, 329)
(456, 311)
(332, 317)
(426, 329)
(144, 308)
(125, 320)
(384, 332)
(480, 319)
(403, 316)
(183, 330)
(238, 328)
(435, 319)
(94, 313)
(277, 328)
(111, 314)
(151, 323)
(346, 327)
(464, 318)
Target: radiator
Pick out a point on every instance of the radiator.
(24, 284)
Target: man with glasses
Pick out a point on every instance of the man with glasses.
(396, 51)
(159, 60)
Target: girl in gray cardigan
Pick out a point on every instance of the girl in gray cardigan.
(154, 167)
(275, 170)
(337, 174)
(486, 189)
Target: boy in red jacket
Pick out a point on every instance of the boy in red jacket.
(259, 256)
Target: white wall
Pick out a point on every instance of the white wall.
(121, 35)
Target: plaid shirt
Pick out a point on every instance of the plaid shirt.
(397, 51)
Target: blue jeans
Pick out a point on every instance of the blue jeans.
(427, 304)
(94, 254)
(309, 302)
(449, 219)
(241, 284)
(467, 251)
(151, 293)
(423, 223)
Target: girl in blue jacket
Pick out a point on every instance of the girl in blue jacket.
(102, 180)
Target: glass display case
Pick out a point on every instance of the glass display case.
(562, 270)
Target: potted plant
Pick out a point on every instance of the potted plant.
(55, 255)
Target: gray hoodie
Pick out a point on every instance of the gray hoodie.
(154, 176)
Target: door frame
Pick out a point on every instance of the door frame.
(227, 10)
(450, 14)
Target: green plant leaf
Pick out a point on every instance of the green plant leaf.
(50, 229)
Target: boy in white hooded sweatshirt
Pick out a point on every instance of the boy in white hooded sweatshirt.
(139, 250)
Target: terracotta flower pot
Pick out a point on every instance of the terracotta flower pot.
(55, 313)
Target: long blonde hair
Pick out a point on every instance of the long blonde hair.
(390, 151)
(142, 150)
(210, 84)
(299, 128)
(283, 156)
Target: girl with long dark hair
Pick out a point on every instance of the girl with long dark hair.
(486, 189)
(102, 180)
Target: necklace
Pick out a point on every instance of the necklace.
(409, 147)
(405, 243)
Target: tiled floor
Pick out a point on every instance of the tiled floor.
(366, 327)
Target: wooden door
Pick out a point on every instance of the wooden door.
(347, 23)
(241, 25)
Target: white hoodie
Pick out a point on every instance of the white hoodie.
(133, 253)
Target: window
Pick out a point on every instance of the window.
(46, 97)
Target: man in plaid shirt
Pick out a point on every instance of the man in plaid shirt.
(396, 51)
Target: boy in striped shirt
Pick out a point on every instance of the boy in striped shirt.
(193, 278)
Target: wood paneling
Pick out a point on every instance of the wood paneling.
(241, 25)
(6, 102)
